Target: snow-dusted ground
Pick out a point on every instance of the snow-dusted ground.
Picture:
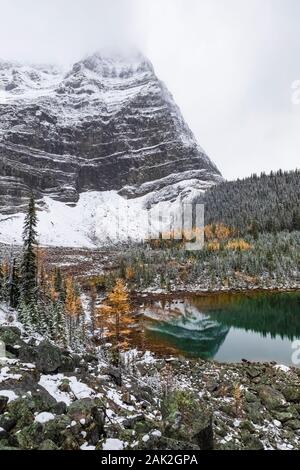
(99, 218)
(125, 404)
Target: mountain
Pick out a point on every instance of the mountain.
(108, 126)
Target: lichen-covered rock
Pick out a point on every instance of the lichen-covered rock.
(21, 411)
(48, 445)
(164, 443)
(4, 445)
(67, 363)
(292, 393)
(11, 336)
(252, 442)
(53, 429)
(3, 434)
(293, 424)
(29, 437)
(115, 374)
(27, 353)
(49, 357)
(89, 410)
(271, 398)
(7, 422)
(59, 408)
(70, 440)
(186, 419)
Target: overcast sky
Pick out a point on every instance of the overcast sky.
(230, 64)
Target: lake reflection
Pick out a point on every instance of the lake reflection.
(226, 327)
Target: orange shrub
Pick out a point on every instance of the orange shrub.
(238, 244)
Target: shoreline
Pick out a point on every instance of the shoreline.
(187, 293)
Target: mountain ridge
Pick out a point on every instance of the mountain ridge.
(107, 124)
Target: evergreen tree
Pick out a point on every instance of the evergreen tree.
(268, 203)
(1, 283)
(59, 284)
(29, 260)
(59, 323)
(13, 285)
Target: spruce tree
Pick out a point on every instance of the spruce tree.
(59, 323)
(29, 260)
(1, 283)
(13, 285)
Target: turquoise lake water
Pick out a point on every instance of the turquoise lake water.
(226, 327)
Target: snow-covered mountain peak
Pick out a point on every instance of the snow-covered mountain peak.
(116, 64)
(16, 78)
(106, 124)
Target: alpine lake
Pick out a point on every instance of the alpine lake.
(226, 327)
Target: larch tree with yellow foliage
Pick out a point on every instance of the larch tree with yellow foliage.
(114, 316)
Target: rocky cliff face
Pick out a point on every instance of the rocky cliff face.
(106, 124)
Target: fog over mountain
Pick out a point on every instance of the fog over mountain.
(230, 65)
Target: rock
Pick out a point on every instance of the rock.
(253, 372)
(10, 335)
(253, 411)
(165, 443)
(5, 446)
(67, 363)
(27, 387)
(3, 403)
(293, 424)
(250, 397)
(131, 421)
(7, 423)
(187, 419)
(64, 386)
(48, 445)
(283, 416)
(28, 353)
(212, 387)
(30, 437)
(115, 374)
(271, 398)
(292, 393)
(69, 440)
(3, 434)
(59, 408)
(143, 426)
(252, 442)
(91, 411)
(247, 426)
(293, 409)
(297, 406)
(49, 358)
(90, 358)
(203, 432)
(53, 429)
(20, 411)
